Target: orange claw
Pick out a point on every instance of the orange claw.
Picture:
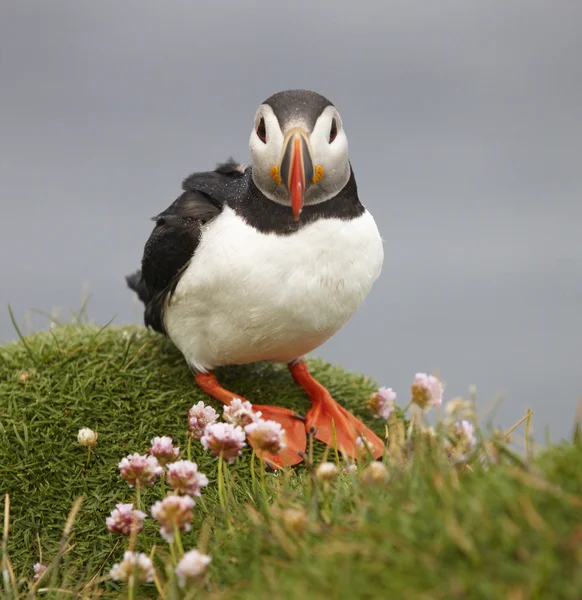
(325, 410)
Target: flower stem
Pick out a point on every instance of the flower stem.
(163, 483)
(178, 541)
(263, 486)
(137, 494)
(189, 451)
(253, 475)
(131, 585)
(221, 485)
(173, 553)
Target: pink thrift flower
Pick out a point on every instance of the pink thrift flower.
(136, 468)
(185, 478)
(381, 403)
(224, 439)
(163, 449)
(173, 511)
(191, 565)
(240, 413)
(124, 519)
(199, 416)
(266, 435)
(427, 391)
(464, 434)
(39, 571)
(132, 562)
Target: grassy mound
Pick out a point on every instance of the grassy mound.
(129, 385)
(498, 527)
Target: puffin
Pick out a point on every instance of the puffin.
(267, 261)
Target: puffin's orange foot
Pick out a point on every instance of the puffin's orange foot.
(325, 411)
(291, 422)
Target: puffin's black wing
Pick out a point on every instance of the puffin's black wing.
(176, 235)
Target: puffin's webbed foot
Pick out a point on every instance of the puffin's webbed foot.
(290, 421)
(325, 409)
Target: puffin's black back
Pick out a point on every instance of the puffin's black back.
(176, 234)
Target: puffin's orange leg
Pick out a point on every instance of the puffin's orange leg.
(324, 410)
(291, 422)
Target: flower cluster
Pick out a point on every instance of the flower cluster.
(463, 439)
(381, 403)
(163, 449)
(124, 519)
(199, 417)
(191, 566)
(185, 478)
(427, 391)
(136, 468)
(240, 413)
(133, 562)
(224, 439)
(39, 571)
(326, 472)
(173, 513)
(267, 436)
(375, 473)
(87, 437)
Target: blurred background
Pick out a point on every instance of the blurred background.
(465, 129)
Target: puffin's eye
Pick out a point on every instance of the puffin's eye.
(333, 131)
(261, 131)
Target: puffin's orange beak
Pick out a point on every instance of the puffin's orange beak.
(296, 168)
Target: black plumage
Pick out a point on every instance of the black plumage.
(176, 234)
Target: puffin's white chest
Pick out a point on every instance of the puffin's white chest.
(249, 296)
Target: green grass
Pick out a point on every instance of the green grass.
(504, 527)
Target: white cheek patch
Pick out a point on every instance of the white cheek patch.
(332, 157)
(266, 155)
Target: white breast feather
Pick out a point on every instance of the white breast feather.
(249, 296)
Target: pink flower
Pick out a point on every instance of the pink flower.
(381, 403)
(132, 562)
(173, 511)
(224, 439)
(240, 413)
(123, 519)
(39, 571)
(136, 468)
(191, 565)
(184, 477)
(464, 437)
(427, 391)
(199, 416)
(266, 435)
(163, 449)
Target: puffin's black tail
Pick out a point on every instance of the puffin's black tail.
(138, 285)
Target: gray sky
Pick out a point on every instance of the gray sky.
(465, 129)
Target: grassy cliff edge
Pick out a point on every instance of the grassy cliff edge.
(503, 528)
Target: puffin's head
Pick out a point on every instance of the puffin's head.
(299, 149)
